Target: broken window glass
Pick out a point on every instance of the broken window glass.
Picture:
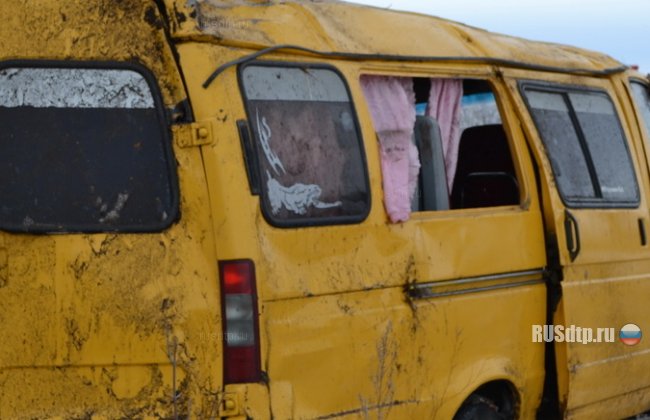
(83, 150)
(311, 164)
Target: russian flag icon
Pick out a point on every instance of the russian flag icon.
(630, 334)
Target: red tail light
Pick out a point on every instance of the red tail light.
(241, 338)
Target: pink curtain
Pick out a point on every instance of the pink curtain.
(392, 105)
(445, 105)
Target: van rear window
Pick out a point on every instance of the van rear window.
(83, 150)
(310, 160)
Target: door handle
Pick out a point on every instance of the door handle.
(644, 238)
(572, 235)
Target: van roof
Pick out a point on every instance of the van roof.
(352, 29)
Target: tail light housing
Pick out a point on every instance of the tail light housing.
(241, 338)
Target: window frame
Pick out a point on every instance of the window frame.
(165, 137)
(507, 122)
(515, 159)
(255, 161)
(566, 89)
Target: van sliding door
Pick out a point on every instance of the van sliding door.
(597, 214)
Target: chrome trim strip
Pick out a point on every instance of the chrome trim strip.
(427, 290)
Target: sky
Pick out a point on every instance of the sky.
(620, 28)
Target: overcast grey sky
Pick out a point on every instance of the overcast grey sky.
(620, 28)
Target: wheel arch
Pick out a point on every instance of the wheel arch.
(501, 394)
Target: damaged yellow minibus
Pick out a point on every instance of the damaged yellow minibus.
(315, 210)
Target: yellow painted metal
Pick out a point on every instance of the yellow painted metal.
(352, 28)
(109, 324)
(338, 335)
(129, 325)
(605, 285)
(192, 134)
(375, 355)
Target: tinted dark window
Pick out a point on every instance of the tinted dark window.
(585, 144)
(309, 152)
(642, 99)
(82, 150)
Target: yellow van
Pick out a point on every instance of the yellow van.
(315, 210)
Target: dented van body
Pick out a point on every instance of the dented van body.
(246, 209)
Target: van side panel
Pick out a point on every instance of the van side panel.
(340, 334)
(366, 353)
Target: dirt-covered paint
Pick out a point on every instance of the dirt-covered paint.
(117, 325)
(128, 324)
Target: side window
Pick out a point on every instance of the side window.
(308, 149)
(585, 144)
(642, 99)
(450, 133)
(83, 150)
(485, 174)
